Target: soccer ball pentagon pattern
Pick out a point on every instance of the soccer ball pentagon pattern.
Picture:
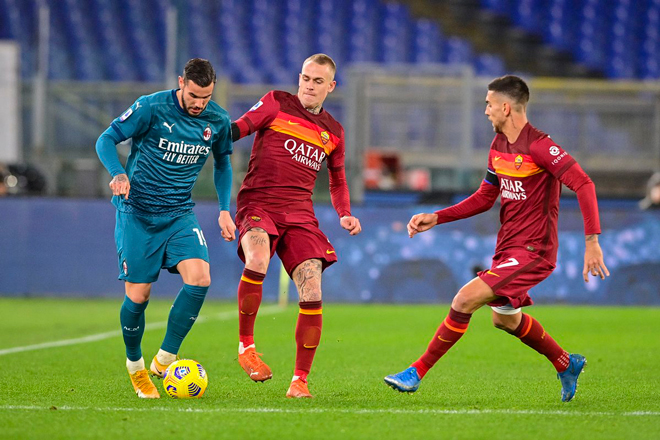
(185, 379)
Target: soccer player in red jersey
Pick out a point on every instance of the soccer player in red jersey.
(294, 136)
(526, 169)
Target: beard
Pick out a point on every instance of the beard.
(187, 109)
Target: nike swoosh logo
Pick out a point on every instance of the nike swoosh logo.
(294, 123)
(253, 373)
(444, 340)
(310, 346)
(329, 252)
(509, 262)
(491, 273)
(496, 158)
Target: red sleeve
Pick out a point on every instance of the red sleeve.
(482, 200)
(259, 116)
(547, 154)
(339, 194)
(577, 180)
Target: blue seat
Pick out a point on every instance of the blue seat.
(332, 28)
(458, 51)
(501, 7)
(592, 38)
(428, 41)
(489, 65)
(561, 23)
(364, 28)
(529, 15)
(649, 55)
(204, 40)
(298, 28)
(395, 34)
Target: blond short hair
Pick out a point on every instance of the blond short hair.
(323, 60)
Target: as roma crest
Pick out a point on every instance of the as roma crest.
(518, 162)
(325, 137)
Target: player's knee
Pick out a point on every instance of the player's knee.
(311, 337)
(463, 303)
(503, 323)
(257, 261)
(250, 304)
(201, 280)
(310, 293)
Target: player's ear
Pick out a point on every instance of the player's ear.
(181, 82)
(332, 86)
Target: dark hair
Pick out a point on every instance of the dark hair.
(511, 86)
(199, 71)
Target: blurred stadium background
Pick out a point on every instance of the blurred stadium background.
(411, 85)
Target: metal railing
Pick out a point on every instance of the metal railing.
(430, 118)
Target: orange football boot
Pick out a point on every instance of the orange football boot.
(298, 388)
(143, 386)
(254, 366)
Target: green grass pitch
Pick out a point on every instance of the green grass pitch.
(489, 386)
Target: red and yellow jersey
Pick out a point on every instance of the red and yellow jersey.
(528, 172)
(289, 148)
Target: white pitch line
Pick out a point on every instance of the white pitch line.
(224, 316)
(337, 410)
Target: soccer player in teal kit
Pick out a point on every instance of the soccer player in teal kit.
(526, 169)
(173, 132)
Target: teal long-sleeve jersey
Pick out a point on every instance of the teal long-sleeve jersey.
(169, 149)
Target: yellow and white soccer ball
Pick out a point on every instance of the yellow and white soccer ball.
(185, 379)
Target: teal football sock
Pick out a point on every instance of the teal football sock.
(183, 314)
(131, 317)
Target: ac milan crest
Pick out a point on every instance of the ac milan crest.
(207, 133)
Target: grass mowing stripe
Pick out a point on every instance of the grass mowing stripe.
(101, 336)
(338, 410)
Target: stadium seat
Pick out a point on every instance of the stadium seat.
(458, 51)
(428, 41)
(501, 7)
(489, 65)
(528, 15)
(561, 22)
(363, 44)
(395, 33)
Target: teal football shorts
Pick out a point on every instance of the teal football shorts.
(145, 245)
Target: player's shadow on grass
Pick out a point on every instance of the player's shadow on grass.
(416, 281)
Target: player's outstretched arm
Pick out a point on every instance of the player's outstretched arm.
(351, 224)
(227, 226)
(120, 185)
(593, 259)
(421, 222)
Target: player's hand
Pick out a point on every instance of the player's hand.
(227, 226)
(593, 260)
(120, 185)
(351, 224)
(421, 222)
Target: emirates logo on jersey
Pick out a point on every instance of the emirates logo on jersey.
(518, 162)
(207, 133)
(325, 137)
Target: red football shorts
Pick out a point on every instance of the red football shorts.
(513, 273)
(295, 237)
